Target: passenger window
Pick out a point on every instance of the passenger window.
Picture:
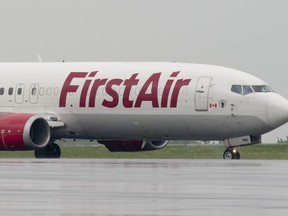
(237, 89)
(33, 91)
(41, 91)
(19, 91)
(2, 91)
(48, 91)
(10, 91)
(56, 91)
(247, 90)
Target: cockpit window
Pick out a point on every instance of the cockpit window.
(237, 89)
(262, 88)
(247, 90)
(269, 87)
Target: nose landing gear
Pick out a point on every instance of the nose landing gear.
(231, 153)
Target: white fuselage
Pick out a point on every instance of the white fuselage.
(135, 101)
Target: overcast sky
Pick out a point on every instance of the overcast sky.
(249, 35)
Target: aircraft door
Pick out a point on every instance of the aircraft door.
(33, 94)
(19, 93)
(202, 93)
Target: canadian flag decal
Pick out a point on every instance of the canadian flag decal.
(213, 105)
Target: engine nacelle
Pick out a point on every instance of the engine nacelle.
(23, 132)
(133, 146)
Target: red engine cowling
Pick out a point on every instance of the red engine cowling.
(133, 146)
(21, 131)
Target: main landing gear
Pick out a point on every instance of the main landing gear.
(231, 153)
(51, 151)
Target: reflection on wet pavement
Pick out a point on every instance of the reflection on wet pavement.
(143, 187)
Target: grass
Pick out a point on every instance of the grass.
(271, 151)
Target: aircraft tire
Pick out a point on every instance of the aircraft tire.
(51, 151)
(237, 155)
(40, 153)
(231, 154)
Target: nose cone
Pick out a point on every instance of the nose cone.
(277, 110)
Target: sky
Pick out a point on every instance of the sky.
(248, 35)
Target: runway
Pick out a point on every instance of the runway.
(143, 187)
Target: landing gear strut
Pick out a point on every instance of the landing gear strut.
(51, 151)
(231, 153)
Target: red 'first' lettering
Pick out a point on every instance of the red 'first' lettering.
(67, 87)
(129, 83)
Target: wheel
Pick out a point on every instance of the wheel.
(54, 151)
(51, 151)
(237, 155)
(230, 154)
(227, 154)
(41, 153)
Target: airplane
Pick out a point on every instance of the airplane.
(133, 106)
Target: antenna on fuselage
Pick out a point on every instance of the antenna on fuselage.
(39, 58)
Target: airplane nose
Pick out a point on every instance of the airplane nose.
(277, 110)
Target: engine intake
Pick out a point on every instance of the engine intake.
(23, 132)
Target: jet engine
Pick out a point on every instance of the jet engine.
(133, 146)
(21, 131)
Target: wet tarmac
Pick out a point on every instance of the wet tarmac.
(143, 187)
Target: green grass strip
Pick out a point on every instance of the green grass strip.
(271, 151)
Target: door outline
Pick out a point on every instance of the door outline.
(202, 93)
